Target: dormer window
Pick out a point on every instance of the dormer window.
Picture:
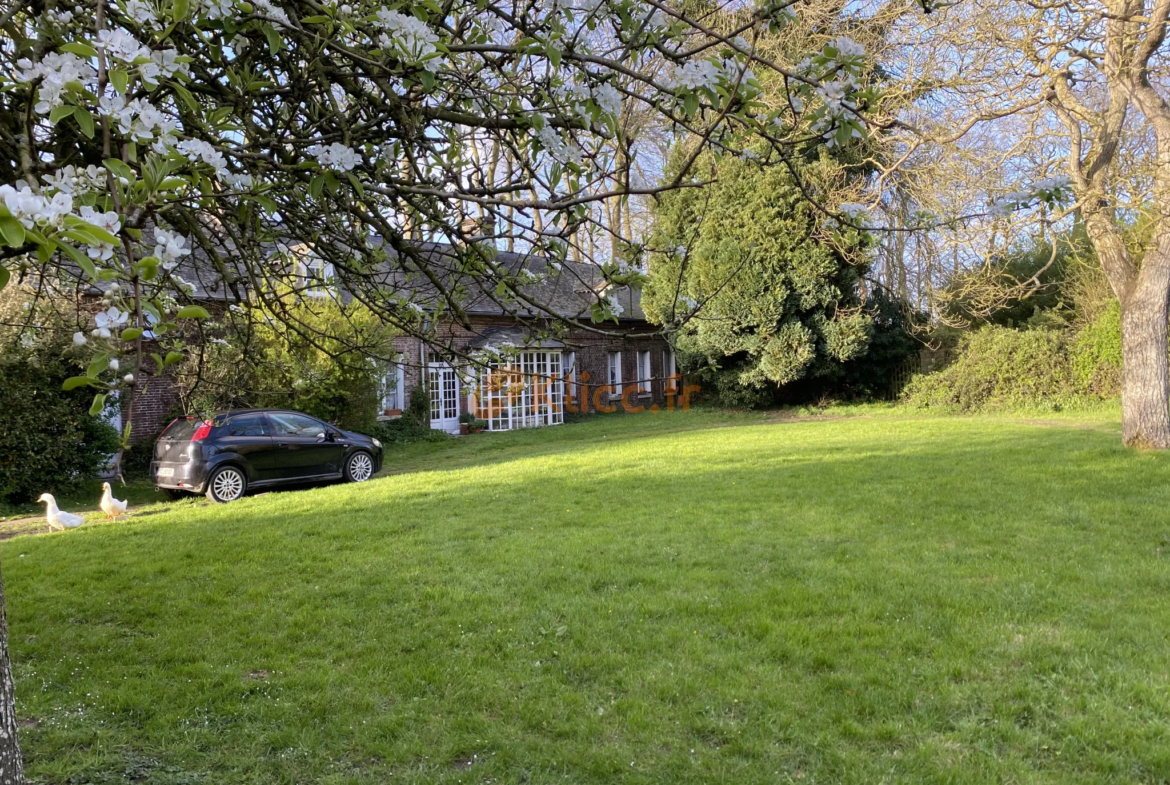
(315, 277)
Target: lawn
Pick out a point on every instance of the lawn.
(679, 598)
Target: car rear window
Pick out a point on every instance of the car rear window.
(182, 429)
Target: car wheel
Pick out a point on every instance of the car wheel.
(226, 484)
(359, 467)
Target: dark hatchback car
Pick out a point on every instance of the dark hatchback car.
(229, 453)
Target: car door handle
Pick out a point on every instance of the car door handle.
(282, 444)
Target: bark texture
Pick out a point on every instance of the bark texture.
(1145, 381)
(11, 764)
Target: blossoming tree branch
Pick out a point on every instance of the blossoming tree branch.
(148, 140)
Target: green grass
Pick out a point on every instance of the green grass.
(656, 599)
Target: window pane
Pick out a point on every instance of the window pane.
(285, 424)
(248, 425)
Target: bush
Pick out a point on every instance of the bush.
(403, 430)
(1097, 353)
(998, 366)
(51, 441)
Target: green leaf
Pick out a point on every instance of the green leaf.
(193, 312)
(275, 42)
(99, 403)
(316, 185)
(186, 96)
(120, 80)
(12, 230)
(269, 205)
(80, 259)
(79, 49)
(357, 184)
(57, 112)
(691, 104)
(158, 363)
(84, 121)
(120, 169)
(97, 365)
(180, 9)
(172, 358)
(131, 333)
(5, 276)
(73, 382)
(554, 56)
(316, 20)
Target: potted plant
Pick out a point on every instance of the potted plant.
(478, 426)
(465, 421)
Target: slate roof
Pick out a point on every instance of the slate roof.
(568, 292)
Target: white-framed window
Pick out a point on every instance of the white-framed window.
(569, 372)
(394, 388)
(528, 392)
(668, 371)
(315, 277)
(615, 373)
(644, 373)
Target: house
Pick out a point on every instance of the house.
(513, 366)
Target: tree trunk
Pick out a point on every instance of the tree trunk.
(1145, 366)
(11, 765)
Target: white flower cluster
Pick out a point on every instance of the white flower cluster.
(335, 156)
(409, 37)
(707, 74)
(606, 96)
(556, 147)
(217, 9)
(59, 18)
(56, 70)
(843, 59)
(107, 321)
(34, 210)
(272, 11)
(71, 180)
(1048, 190)
(169, 247)
(122, 46)
(615, 306)
(139, 119)
(853, 210)
(197, 150)
(141, 12)
(109, 221)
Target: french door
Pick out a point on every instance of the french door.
(443, 386)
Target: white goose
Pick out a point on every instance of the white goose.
(57, 518)
(110, 506)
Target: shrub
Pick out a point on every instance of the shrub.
(51, 441)
(998, 366)
(403, 430)
(1097, 353)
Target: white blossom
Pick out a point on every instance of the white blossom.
(34, 210)
(114, 364)
(141, 12)
(79, 339)
(335, 156)
(169, 247)
(109, 320)
(56, 70)
(267, 8)
(409, 37)
(128, 378)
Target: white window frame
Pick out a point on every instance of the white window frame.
(644, 373)
(393, 396)
(615, 373)
(569, 373)
(314, 270)
(529, 392)
(668, 367)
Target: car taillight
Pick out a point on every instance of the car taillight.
(202, 432)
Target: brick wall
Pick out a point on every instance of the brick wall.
(592, 351)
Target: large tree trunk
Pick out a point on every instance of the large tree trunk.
(1145, 374)
(11, 765)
